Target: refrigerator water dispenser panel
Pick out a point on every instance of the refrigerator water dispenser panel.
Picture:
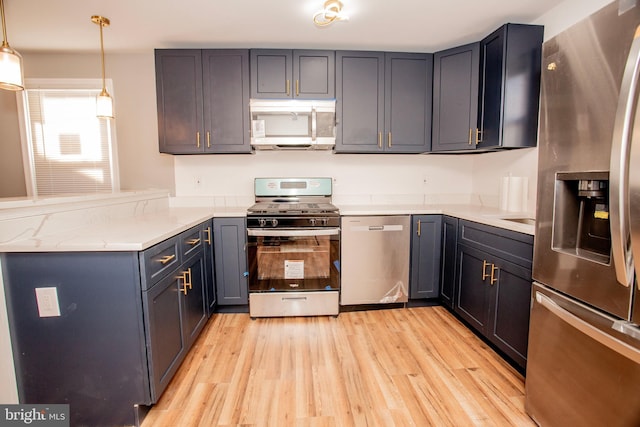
(581, 216)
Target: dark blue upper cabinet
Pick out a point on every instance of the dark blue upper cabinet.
(360, 101)
(203, 100)
(486, 94)
(226, 101)
(179, 98)
(510, 60)
(383, 102)
(455, 98)
(297, 74)
(408, 99)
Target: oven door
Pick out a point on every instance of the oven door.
(293, 260)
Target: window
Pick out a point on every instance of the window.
(68, 150)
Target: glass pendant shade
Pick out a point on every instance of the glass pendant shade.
(11, 74)
(104, 105)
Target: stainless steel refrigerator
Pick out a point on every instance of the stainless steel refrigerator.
(583, 364)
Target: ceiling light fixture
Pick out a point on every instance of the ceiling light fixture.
(104, 102)
(11, 75)
(331, 12)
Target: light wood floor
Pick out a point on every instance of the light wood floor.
(400, 367)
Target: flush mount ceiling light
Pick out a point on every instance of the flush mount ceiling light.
(331, 12)
(104, 102)
(11, 76)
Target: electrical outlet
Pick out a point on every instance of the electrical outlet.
(47, 299)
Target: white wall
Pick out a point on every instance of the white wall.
(134, 92)
(358, 178)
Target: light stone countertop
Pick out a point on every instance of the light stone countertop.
(143, 230)
(481, 214)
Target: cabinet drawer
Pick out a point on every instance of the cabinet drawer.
(159, 260)
(510, 245)
(191, 241)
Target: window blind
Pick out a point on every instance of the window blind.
(70, 147)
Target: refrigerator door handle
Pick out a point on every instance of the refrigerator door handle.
(594, 333)
(619, 167)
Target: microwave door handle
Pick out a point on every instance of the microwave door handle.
(619, 167)
(314, 124)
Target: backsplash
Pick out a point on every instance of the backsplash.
(227, 180)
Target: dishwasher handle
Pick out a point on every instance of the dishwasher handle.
(389, 227)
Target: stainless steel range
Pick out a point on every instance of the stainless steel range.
(293, 248)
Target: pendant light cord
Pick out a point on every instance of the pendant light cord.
(5, 42)
(104, 86)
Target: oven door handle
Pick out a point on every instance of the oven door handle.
(307, 232)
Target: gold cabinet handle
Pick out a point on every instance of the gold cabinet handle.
(478, 136)
(485, 264)
(494, 279)
(389, 139)
(165, 259)
(208, 139)
(193, 242)
(183, 277)
(297, 87)
(470, 136)
(379, 139)
(208, 231)
(186, 281)
(198, 139)
(288, 87)
(419, 228)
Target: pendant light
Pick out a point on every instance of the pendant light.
(104, 102)
(11, 70)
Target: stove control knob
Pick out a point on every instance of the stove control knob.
(312, 221)
(325, 221)
(262, 222)
(274, 222)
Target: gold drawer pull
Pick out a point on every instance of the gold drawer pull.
(193, 242)
(165, 259)
(208, 231)
(494, 279)
(485, 264)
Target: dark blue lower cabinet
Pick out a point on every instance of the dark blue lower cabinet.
(118, 327)
(93, 355)
(230, 237)
(426, 249)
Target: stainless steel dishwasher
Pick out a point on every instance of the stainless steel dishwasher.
(375, 259)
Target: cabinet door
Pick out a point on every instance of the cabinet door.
(408, 98)
(455, 98)
(314, 74)
(510, 305)
(166, 342)
(194, 295)
(510, 61)
(426, 243)
(449, 256)
(230, 236)
(472, 299)
(271, 73)
(210, 277)
(226, 101)
(179, 100)
(360, 102)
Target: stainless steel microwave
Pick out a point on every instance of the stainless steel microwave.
(293, 124)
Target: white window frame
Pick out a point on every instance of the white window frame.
(25, 129)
